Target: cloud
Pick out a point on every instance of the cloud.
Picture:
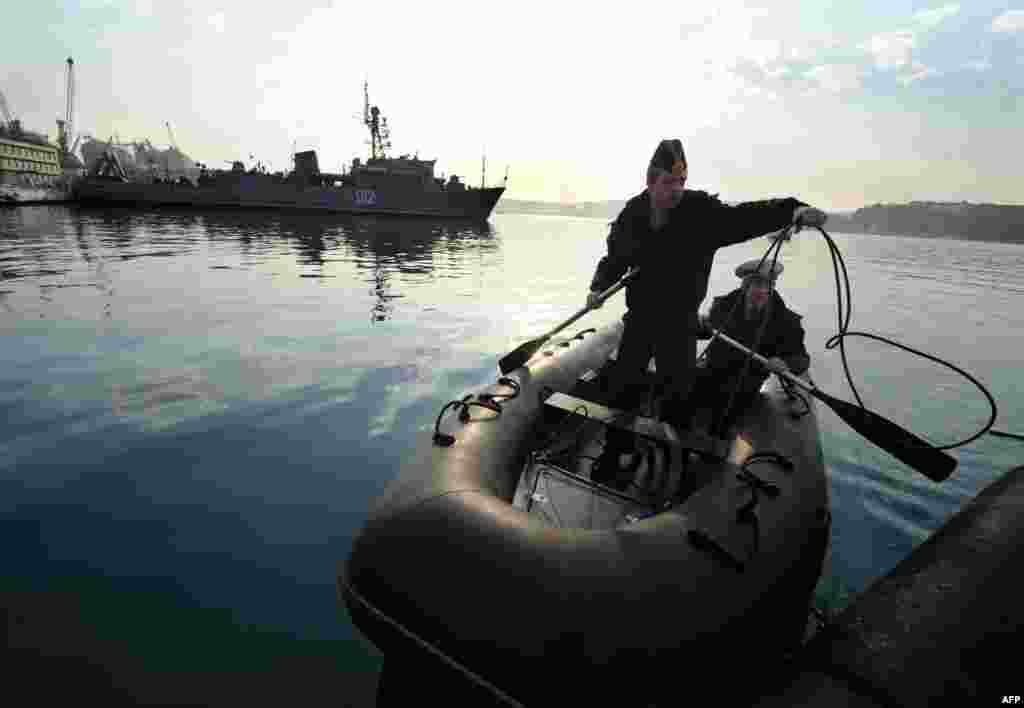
(837, 77)
(217, 21)
(895, 49)
(931, 18)
(890, 50)
(695, 27)
(918, 71)
(770, 79)
(1009, 21)
(751, 71)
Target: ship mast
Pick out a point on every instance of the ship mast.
(380, 135)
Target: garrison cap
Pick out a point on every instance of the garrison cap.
(768, 270)
(670, 157)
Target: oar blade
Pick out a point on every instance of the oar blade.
(520, 355)
(933, 463)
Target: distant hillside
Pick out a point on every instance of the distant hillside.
(960, 220)
(598, 210)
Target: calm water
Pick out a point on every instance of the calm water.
(199, 409)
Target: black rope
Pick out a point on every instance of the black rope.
(718, 426)
(1002, 434)
(843, 323)
(837, 339)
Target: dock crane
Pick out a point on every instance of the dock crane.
(66, 127)
(5, 109)
(11, 126)
(170, 134)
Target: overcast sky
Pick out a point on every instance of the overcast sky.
(839, 104)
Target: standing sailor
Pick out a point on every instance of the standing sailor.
(671, 233)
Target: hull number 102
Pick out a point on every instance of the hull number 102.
(366, 197)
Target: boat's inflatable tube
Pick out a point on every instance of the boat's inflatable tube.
(447, 574)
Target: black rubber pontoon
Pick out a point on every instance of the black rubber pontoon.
(484, 570)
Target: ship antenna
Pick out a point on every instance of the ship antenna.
(368, 121)
(366, 105)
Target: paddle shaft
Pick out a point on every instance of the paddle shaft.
(798, 381)
(604, 296)
(902, 444)
(524, 352)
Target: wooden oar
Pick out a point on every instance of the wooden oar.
(524, 352)
(933, 463)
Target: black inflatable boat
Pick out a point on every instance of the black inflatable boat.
(494, 570)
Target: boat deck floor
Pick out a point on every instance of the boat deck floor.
(556, 484)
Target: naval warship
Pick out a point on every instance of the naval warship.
(382, 184)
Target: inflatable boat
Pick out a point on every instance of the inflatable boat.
(495, 570)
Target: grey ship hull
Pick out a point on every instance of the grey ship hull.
(20, 195)
(256, 192)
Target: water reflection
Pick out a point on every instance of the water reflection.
(381, 309)
(388, 247)
(60, 247)
(218, 440)
(410, 247)
(382, 247)
(387, 254)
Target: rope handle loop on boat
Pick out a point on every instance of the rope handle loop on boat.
(757, 484)
(704, 541)
(492, 401)
(483, 400)
(463, 404)
(747, 514)
(503, 381)
(769, 456)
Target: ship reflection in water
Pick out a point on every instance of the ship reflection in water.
(386, 254)
(388, 247)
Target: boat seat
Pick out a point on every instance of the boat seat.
(695, 440)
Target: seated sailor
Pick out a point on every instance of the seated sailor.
(756, 316)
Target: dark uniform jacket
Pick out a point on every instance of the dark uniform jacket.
(675, 261)
(783, 337)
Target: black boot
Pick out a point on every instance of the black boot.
(625, 476)
(679, 416)
(609, 470)
(606, 469)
